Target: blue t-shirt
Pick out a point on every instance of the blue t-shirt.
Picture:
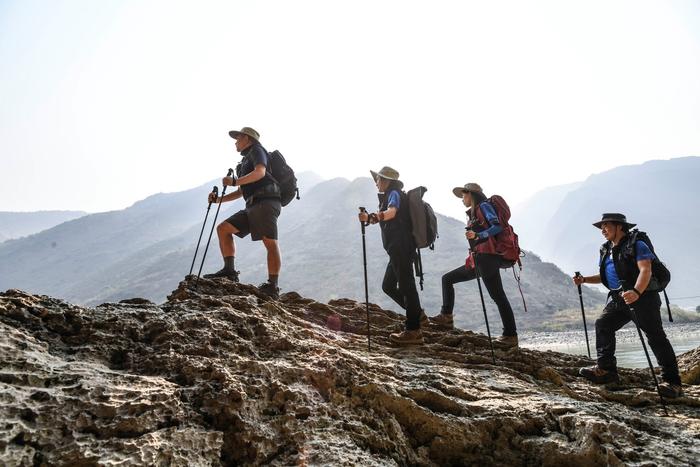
(394, 199)
(491, 217)
(643, 252)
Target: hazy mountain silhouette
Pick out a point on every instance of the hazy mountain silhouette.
(20, 224)
(662, 197)
(147, 248)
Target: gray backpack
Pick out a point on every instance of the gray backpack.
(423, 225)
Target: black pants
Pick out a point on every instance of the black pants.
(490, 272)
(648, 311)
(400, 285)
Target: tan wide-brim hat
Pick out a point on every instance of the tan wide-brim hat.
(468, 188)
(386, 172)
(246, 130)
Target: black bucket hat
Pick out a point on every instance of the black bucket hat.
(614, 217)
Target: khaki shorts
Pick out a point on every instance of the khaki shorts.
(258, 220)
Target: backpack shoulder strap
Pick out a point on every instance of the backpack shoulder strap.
(631, 246)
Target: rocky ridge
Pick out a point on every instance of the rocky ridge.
(221, 375)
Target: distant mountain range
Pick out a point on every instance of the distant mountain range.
(21, 224)
(146, 249)
(661, 197)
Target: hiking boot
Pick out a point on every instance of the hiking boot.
(270, 289)
(670, 390)
(414, 337)
(510, 341)
(598, 375)
(229, 274)
(443, 320)
(424, 320)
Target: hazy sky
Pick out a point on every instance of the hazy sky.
(106, 102)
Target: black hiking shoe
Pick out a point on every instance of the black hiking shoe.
(233, 275)
(670, 390)
(270, 289)
(597, 375)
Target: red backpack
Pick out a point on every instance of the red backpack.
(507, 240)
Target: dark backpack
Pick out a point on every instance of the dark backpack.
(423, 226)
(284, 176)
(507, 240)
(660, 275)
(423, 219)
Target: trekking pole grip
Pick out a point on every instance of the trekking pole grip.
(578, 274)
(363, 211)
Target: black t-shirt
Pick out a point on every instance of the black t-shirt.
(253, 156)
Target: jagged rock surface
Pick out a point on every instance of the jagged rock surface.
(220, 375)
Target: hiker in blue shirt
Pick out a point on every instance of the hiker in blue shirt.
(622, 260)
(394, 220)
(483, 229)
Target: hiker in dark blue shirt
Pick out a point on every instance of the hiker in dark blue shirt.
(620, 260)
(395, 222)
(259, 217)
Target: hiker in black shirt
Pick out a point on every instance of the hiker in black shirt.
(394, 219)
(632, 265)
(262, 208)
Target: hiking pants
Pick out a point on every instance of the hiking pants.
(400, 285)
(648, 310)
(490, 272)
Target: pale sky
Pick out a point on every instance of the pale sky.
(106, 102)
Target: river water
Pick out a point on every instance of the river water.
(629, 351)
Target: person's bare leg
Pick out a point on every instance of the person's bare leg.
(225, 231)
(274, 258)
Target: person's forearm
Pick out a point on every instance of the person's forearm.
(230, 197)
(495, 229)
(643, 280)
(592, 279)
(252, 177)
(387, 215)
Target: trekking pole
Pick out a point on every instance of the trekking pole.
(583, 314)
(364, 259)
(646, 352)
(483, 305)
(668, 307)
(215, 191)
(223, 192)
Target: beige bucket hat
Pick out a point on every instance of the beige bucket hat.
(469, 187)
(246, 130)
(386, 172)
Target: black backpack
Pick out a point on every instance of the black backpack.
(660, 275)
(284, 176)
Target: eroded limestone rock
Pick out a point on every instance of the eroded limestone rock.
(220, 375)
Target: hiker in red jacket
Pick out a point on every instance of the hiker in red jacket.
(482, 229)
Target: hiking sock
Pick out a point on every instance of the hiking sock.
(228, 263)
(273, 279)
